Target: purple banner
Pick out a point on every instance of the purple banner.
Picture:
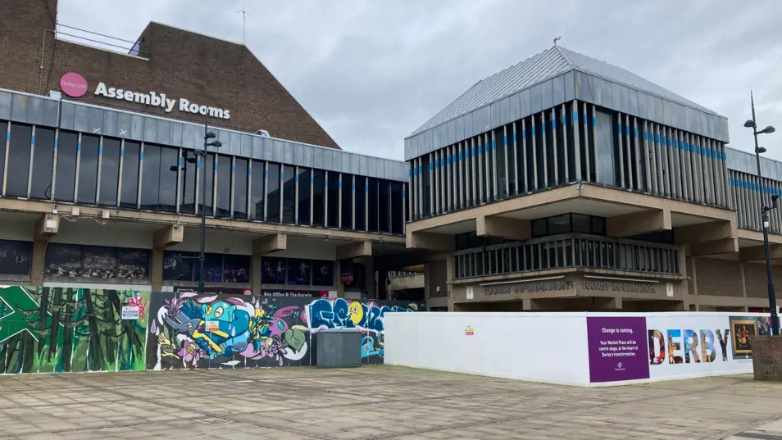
(618, 349)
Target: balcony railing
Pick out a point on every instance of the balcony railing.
(567, 251)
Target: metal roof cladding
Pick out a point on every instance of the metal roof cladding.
(551, 63)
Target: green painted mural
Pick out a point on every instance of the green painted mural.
(53, 330)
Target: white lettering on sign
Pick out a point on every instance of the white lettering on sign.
(162, 101)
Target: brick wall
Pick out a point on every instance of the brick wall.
(718, 277)
(767, 358)
(181, 64)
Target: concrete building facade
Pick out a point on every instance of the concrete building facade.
(566, 183)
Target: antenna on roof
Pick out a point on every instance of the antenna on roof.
(244, 18)
(556, 39)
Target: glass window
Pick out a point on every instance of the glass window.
(397, 222)
(361, 204)
(133, 264)
(539, 227)
(257, 190)
(19, 160)
(373, 206)
(299, 271)
(109, 171)
(273, 194)
(501, 176)
(189, 172)
(427, 201)
(559, 224)
(509, 146)
(598, 225)
(605, 149)
(150, 178)
(66, 167)
(209, 175)
(3, 134)
(332, 183)
(88, 169)
(240, 188)
(288, 194)
(130, 168)
(43, 162)
(318, 197)
(15, 257)
(273, 270)
(582, 223)
(224, 177)
(99, 262)
(322, 273)
(178, 266)
(169, 158)
(63, 260)
(347, 201)
(385, 205)
(304, 195)
(236, 269)
(213, 267)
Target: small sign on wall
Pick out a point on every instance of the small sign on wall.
(469, 331)
(470, 293)
(130, 312)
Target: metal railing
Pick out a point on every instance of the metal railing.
(567, 251)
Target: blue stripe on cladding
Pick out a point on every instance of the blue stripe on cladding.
(250, 171)
(437, 164)
(141, 156)
(8, 136)
(409, 172)
(353, 186)
(215, 165)
(57, 144)
(635, 132)
(312, 179)
(473, 151)
(553, 124)
(524, 133)
(575, 116)
(543, 127)
(233, 169)
(493, 144)
(594, 121)
(179, 162)
(627, 130)
(366, 187)
(505, 139)
(533, 130)
(32, 140)
(657, 138)
(431, 166)
(646, 136)
(198, 163)
(403, 190)
(339, 184)
(78, 148)
(121, 151)
(619, 127)
(297, 179)
(265, 174)
(564, 120)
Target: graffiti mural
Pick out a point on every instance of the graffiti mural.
(187, 330)
(53, 330)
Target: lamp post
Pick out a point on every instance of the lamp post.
(772, 302)
(202, 153)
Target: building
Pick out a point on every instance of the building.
(566, 183)
(101, 187)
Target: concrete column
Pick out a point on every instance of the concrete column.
(156, 270)
(38, 263)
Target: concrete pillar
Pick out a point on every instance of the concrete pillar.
(156, 270)
(38, 264)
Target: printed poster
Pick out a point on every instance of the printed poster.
(617, 349)
(130, 312)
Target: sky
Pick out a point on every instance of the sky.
(371, 72)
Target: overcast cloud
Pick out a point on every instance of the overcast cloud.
(371, 71)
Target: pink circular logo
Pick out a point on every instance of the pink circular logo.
(73, 85)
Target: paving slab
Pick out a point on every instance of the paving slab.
(377, 403)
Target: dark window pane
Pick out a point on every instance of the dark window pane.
(150, 178)
(304, 195)
(3, 134)
(273, 270)
(347, 201)
(559, 224)
(66, 167)
(209, 175)
(427, 193)
(224, 176)
(19, 160)
(88, 169)
(99, 262)
(190, 170)
(43, 160)
(63, 260)
(169, 158)
(257, 191)
(397, 221)
(299, 271)
(604, 147)
(319, 197)
(240, 188)
(273, 194)
(288, 194)
(582, 223)
(109, 171)
(385, 205)
(539, 227)
(332, 183)
(133, 264)
(237, 269)
(598, 225)
(178, 266)
(361, 203)
(15, 257)
(322, 273)
(373, 205)
(130, 169)
(213, 267)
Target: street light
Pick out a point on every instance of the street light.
(202, 153)
(772, 302)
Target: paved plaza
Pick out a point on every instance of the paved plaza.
(381, 402)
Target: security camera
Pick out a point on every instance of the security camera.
(774, 199)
